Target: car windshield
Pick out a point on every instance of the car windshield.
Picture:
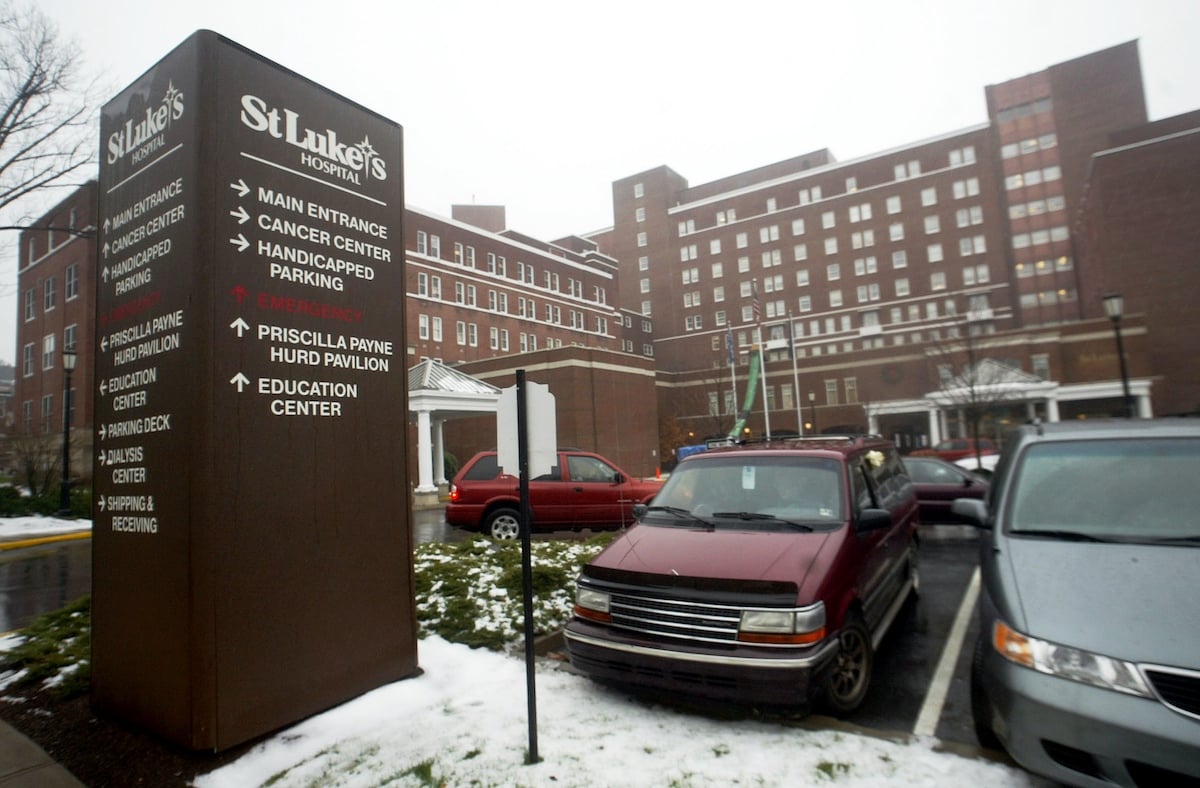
(1140, 490)
(758, 492)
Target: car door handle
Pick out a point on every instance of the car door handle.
(579, 489)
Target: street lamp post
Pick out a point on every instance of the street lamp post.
(1114, 307)
(64, 501)
(812, 401)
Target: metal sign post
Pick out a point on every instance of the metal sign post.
(535, 454)
(527, 565)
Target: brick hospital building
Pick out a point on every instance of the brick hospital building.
(888, 290)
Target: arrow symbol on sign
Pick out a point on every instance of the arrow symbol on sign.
(101, 458)
(238, 325)
(104, 273)
(106, 248)
(101, 432)
(240, 380)
(100, 503)
(103, 387)
(104, 344)
(106, 225)
(240, 242)
(240, 187)
(240, 214)
(239, 293)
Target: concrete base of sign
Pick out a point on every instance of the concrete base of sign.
(426, 500)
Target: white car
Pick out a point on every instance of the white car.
(983, 466)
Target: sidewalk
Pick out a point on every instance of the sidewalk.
(23, 764)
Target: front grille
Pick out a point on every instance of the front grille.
(688, 614)
(705, 622)
(1179, 689)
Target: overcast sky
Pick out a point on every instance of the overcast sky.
(540, 106)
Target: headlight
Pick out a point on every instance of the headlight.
(1068, 663)
(592, 604)
(783, 627)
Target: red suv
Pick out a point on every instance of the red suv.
(761, 575)
(957, 448)
(583, 491)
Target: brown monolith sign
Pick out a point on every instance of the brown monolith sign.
(251, 549)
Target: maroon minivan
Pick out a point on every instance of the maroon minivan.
(762, 575)
(584, 490)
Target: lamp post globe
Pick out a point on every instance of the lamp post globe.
(1114, 307)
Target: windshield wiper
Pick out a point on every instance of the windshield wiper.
(679, 511)
(1174, 540)
(762, 516)
(1068, 536)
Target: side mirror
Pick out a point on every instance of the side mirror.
(873, 520)
(639, 510)
(972, 510)
(618, 478)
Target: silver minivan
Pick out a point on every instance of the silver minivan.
(1087, 668)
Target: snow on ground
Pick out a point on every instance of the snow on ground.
(37, 526)
(464, 722)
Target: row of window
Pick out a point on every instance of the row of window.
(72, 218)
(1036, 207)
(466, 334)
(49, 354)
(787, 400)
(1024, 110)
(50, 292)
(1044, 266)
(978, 304)
(1033, 177)
(855, 213)
(1030, 145)
(430, 286)
(431, 245)
(1025, 240)
(1063, 295)
(46, 414)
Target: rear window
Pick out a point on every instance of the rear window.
(1132, 488)
(485, 468)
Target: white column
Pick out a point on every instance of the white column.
(1142, 406)
(439, 452)
(935, 427)
(1030, 410)
(1052, 409)
(424, 454)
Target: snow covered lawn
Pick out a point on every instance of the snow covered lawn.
(464, 723)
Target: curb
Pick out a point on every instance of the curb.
(16, 544)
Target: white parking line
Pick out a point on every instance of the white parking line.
(935, 699)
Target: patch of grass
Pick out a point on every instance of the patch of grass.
(423, 772)
(471, 592)
(831, 769)
(56, 646)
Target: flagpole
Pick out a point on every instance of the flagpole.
(731, 356)
(762, 365)
(795, 376)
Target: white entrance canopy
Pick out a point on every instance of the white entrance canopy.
(436, 394)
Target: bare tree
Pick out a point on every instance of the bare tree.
(38, 462)
(47, 118)
(975, 378)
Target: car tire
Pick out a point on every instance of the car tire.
(981, 707)
(846, 684)
(503, 524)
